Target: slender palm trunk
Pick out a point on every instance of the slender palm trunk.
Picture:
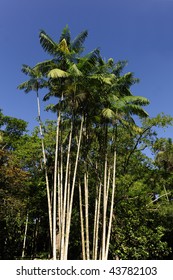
(104, 208)
(72, 191)
(55, 187)
(96, 222)
(45, 169)
(86, 215)
(65, 195)
(112, 206)
(82, 223)
(25, 235)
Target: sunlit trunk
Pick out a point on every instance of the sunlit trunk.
(72, 191)
(96, 222)
(55, 188)
(45, 169)
(111, 207)
(82, 223)
(86, 215)
(25, 235)
(104, 208)
(65, 195)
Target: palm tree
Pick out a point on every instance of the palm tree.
(120, 106)
(35, 83)
(112, 103)
(65, 82)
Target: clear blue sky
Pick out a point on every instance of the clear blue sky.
(134, 30)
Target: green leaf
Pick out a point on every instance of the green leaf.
(77, 43)
(66, 35)
(57, 73)
(75, 71)
(63, 47)
(47, 43)
(108, 113)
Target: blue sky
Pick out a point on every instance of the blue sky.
(134, 30)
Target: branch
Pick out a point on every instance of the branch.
(158, 198)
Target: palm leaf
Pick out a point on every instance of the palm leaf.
(134, 109)
(138, 100)
(26, 69)
(76, 44)
(28, 86)
(47, 43)
(88, 62)
(45, 66)
(75, 71)
(65, 35)
(108, 113)
(57, 73)
(62, 46)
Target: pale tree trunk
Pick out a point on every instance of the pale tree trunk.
(25, 235)
(55, 188)
(82, 224)
(104, 208)
(111, 207)
(72, 192)
(86, 215)
(45, 169)
(65, 196)
(96, 222)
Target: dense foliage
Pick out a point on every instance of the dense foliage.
(82, 187)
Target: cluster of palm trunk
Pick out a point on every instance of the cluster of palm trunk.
(93, 100)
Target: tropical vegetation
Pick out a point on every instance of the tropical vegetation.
(81, 185)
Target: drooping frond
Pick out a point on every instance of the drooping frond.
(26, 69)
(47, 43)
(28, 86)
(127, 80)
(136, 100)
(134, 109)
(48, 95)
(130, 104)
(77, 43)
(45, 66)
(108, 113)
(57, 73)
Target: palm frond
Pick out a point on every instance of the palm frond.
(26, 69)
(77, 43)
(119, 66)
(108, 113)
(134, 109)
(75, 71)
(87, 63)
(65, 34)
(45, 66)
(47, 43)
(136, 100)
(93, 56)
(24, 85)
(63, 47)
(28, 86)
(57, 73)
